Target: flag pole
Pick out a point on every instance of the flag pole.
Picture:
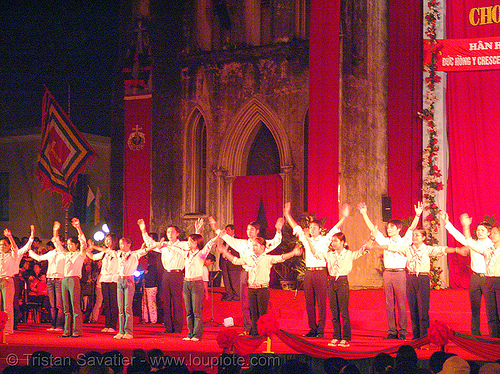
(66, 219)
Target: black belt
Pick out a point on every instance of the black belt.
(316, 268)
(394, 270)
(174, 271)
(419, 273)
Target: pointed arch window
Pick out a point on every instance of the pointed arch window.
(195, 191)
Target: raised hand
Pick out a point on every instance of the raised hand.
(198, 225)
(142, 225)
(75, 222)
(362, 207)
(346, 210)
(444, 216)
(7, 233)
(32, 231)
(419, 208)
(465, 220)
(57, 225)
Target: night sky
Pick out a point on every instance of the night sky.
(59, 44)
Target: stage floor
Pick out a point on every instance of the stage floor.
(367, 313)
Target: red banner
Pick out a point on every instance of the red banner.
(465, 54)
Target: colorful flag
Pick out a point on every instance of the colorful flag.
(64, 152)
(90, 206)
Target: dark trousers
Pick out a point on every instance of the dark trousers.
(231, 283)
(492, 298)
(418, 290)
(476, 290)
(56, 304)
(258, 301)
(245, 309)
(395, 296)
(109, 300)
(315, 291)
(173, 314)
(338, 293)
(193, 300)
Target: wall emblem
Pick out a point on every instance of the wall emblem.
(136, 139)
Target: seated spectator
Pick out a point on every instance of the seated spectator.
(333, 365)
(455, 365)
(490, 368)
(437, 360)
(383, 363)
(114, 360)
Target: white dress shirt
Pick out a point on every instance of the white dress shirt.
(477, 263)
(55, 260)
(491, 256)
(73, 260)
(259, 268)
(418, 259)
(127, 261)
(340, 262)
(394, 260)
(109, 267)
(171, 260)
(320, 244)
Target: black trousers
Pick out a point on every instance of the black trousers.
(476, 290)
(315, 291)
(338, 293)
(109, 299)
(492, 298)
(173, 313)
(258, 300)
(418, 290)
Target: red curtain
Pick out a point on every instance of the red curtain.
(323, 109)
(137, 167)
(473, 122)
(404, 100)
(248, 193)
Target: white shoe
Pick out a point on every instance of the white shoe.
(334, 343)
(195, 339)
(118, 336)
(128, 336)
(344, 343)
(186, 338)
(51, 329)
(105, 330)
(110, 329)
(58, 329)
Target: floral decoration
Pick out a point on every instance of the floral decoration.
(432, 182)
(267, 325)
(439, 333)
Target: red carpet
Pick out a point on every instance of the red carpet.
(367, 312)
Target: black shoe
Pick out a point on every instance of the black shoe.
(319, 335)
(391, 336)
(310, 334)
(402, 337)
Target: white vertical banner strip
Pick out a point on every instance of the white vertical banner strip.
(440, 123)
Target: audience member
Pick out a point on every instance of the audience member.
(383, 363)
(437, 360)
(455, 365)
(333, 365)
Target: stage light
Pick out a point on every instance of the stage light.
(137, 273)
(105, 228)
(99, 236)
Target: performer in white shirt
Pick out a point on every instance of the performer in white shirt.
(173, 278)
(70, 285)
(316, 275)
(394, 275)
(108, 278)
(478, 267)
(245, 248)
(128, 261)
(55, 274)
(339, 259)
(418, 287)
(193, 284)
(9, 267)
(491, 256)
(259, 267)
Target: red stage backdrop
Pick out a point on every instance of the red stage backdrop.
(324, 109)
(137, 166)
(473, 123)
(404, 100)
(248, 193)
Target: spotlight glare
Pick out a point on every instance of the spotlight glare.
(98, 236)
(105, 228)
(137, 273)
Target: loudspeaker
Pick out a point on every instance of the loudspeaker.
(386, 209)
